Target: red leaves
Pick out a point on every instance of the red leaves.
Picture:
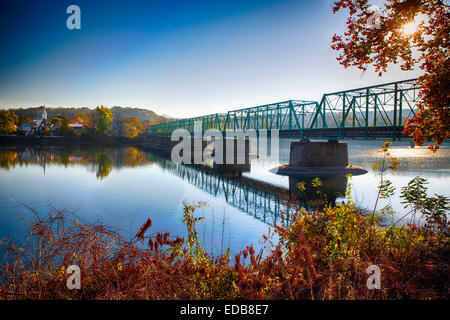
(162, 240)
(245, 253)
(252, 255)
(237, 263)
(143, 229)
(178, 241)
(159, 239)
(150, 243)
(362, 46)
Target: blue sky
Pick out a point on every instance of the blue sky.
(180, 58)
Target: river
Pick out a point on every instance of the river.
(123, 186)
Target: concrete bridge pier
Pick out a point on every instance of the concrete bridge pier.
(235, 151)
(318, 159)
(318, 154)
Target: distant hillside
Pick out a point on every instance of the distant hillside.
(142, 114)
(36, 113)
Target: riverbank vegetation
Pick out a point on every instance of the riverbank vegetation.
(322, 254)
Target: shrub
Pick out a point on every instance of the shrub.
(320, 255)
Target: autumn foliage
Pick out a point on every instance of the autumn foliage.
(383, 41)
(319, 255)
(132, 127)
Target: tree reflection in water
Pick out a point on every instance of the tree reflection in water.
(104, 165)
(101, 159)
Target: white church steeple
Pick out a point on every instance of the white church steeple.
(44, 113)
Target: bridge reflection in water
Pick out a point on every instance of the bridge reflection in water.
(259, 199)
(262, 200)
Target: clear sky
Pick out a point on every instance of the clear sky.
(180, 58)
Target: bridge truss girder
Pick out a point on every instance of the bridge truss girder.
(361, 112)
(386, 106)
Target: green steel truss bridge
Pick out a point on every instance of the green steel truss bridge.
(378, 111)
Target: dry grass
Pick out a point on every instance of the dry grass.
(321, 255)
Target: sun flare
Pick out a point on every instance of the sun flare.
(412, 27)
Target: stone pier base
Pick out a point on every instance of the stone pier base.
(318, 154)
(318, 159)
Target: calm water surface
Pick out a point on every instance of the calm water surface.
(122, 187)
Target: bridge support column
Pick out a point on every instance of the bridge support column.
(318, 160)
(318, 154)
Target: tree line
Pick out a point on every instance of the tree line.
(102, 121)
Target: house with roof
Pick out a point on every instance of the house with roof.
(29, 128)
(77, 127)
